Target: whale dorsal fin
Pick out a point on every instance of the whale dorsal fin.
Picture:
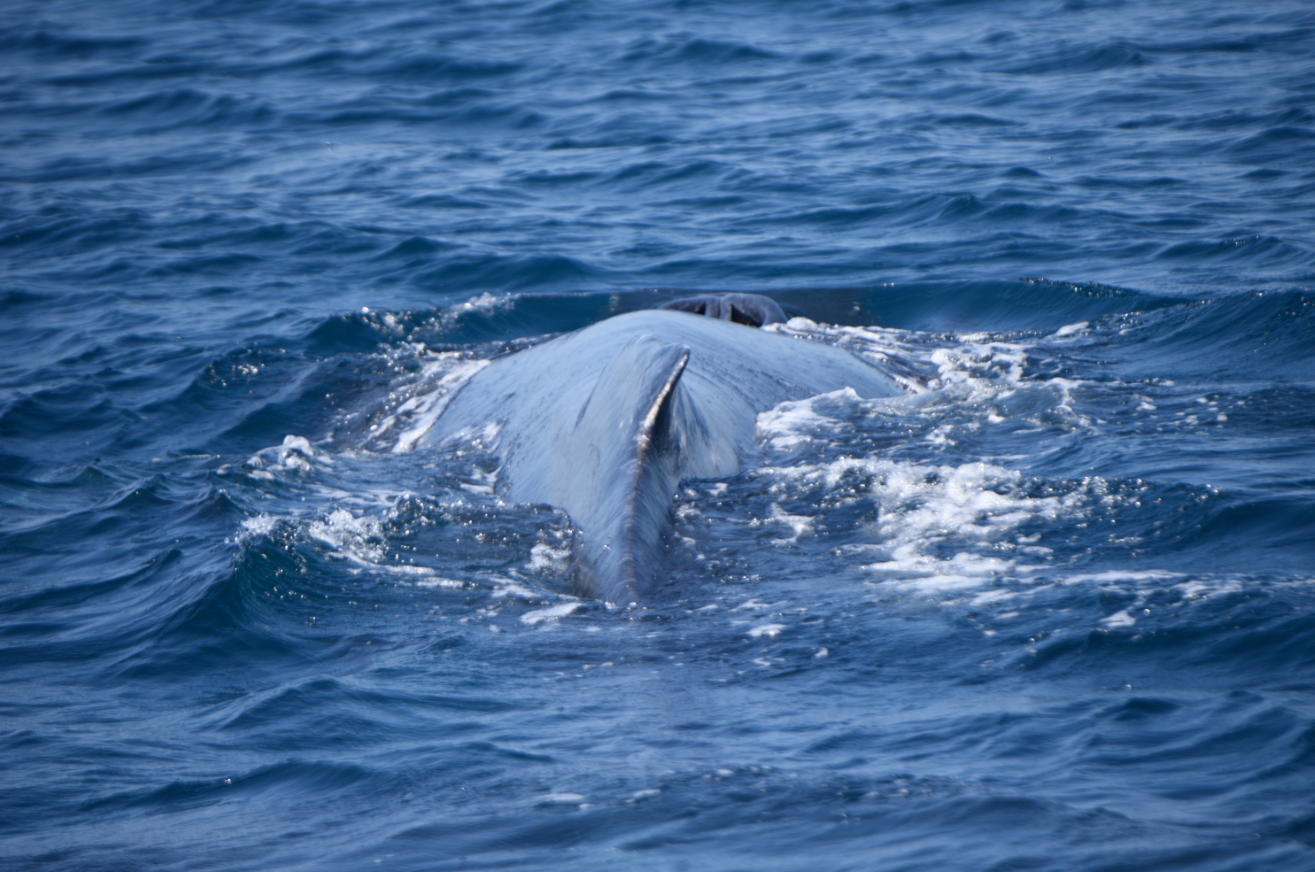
(622, 481)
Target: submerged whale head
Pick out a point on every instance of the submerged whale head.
(751, 310)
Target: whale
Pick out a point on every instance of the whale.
(605, 422)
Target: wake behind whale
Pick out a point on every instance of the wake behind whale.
(606, 421)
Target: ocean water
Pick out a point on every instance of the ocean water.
(1052, 610)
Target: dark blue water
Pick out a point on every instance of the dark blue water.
(1055, 610)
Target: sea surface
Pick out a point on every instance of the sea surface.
(1052, 610)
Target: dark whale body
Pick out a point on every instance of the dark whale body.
(606, 421)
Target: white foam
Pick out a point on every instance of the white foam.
(991, 597)
(789, 423)
(800, 524)
(412, 570)
(296, 453)
(359, 539)
(560, 799)
(771, 631)
(1119, 619)
(980, 363)
(901, 354)
(439, 581)
(957, 385)
(417, 415)
(1140, 576)
(546, 558)
(485, 303)
(975, 509)
(260, 525)
(549, 614)
(513, 590)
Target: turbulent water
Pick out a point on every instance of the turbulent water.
(1052, 610)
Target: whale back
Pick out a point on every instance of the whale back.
(606, 421)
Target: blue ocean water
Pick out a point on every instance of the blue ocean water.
(1055, 610)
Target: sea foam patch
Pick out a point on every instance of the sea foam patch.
(961, 388)
(937, 526)
(295, 454)
(943, 526)
(420, 405)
